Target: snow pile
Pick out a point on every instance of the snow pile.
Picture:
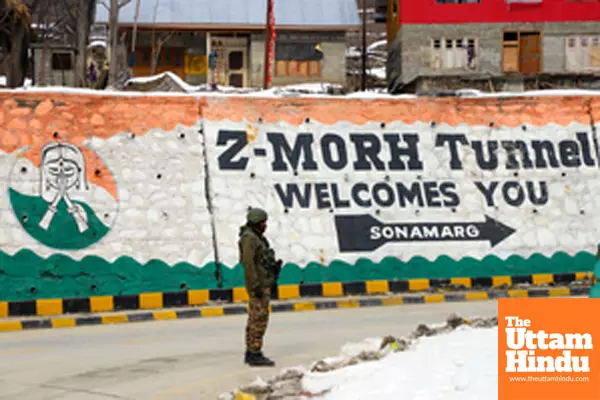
(168, 77)
(174, 86)
(459, 365)
(306, 88)
(447, 361)
(146, 82)
(97, 43)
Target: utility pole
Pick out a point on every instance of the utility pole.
(363, 81)
(269, 37)
(392, 20)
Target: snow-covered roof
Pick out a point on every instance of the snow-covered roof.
(303, 13)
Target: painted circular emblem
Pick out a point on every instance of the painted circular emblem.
(63, 195)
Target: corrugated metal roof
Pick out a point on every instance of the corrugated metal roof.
(325, 13)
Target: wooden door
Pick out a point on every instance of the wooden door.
(236, 67)
(529, 52)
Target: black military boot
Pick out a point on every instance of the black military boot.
(257, 359)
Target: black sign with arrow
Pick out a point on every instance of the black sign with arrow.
(364, 233)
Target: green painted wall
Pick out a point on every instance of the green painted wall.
(59, 276)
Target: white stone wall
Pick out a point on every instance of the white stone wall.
(168, 219)
(165, 219)
(565, 222)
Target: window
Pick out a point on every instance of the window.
(528, 2)
(143, 56)
(61, 61)
(298, 59)
(521, 52)
(582, 53)
(236, 60)
(453, 54)
(98, 32)
(457, 1)
(171, 57)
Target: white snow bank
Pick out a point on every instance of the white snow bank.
(311, 90)
(460, 365)
(378, 46)
(317, 87)
(378, 72)
(3, 81)
(96, 43)
(353, 52)
(350, 350)
(180, 82)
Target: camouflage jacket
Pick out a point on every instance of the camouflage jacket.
(258, 260)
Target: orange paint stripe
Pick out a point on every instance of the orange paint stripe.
(32, 119)
(511, 112)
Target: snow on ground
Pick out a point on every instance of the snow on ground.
(378, 72)
(28, 82)
(353, 52)
(180, 82)
(304, 88)
(378, 45)
(313, 90)
(448, 361)
(460, 365)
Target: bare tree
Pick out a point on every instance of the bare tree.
(113, 35)
(15, 18)
(157, 46)
(157, 43)
(80, 20)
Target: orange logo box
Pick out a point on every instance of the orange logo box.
(549, 348)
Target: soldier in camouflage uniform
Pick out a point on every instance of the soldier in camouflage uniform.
(261, 272)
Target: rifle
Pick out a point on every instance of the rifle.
(276, 271)
(273, 266)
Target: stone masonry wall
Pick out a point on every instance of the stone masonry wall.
(121, 194)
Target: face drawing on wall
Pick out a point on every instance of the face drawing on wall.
(57, 201)
(62, 173)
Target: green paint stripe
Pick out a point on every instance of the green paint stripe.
(183, 298)
(203, 312)
(26, 276)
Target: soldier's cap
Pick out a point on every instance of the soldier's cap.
(256, 215)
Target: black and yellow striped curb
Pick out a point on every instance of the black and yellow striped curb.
(159, 300)
(278, 306)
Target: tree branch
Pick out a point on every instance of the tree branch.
(105, 4)
(164, 40)
(123, 3)
(5, 31)
(5, 15)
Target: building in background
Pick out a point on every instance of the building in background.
(53, 64)
(496, 45)
(310, 45)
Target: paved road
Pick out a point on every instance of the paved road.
(189, 359)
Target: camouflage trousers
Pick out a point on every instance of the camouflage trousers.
(258, 319)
